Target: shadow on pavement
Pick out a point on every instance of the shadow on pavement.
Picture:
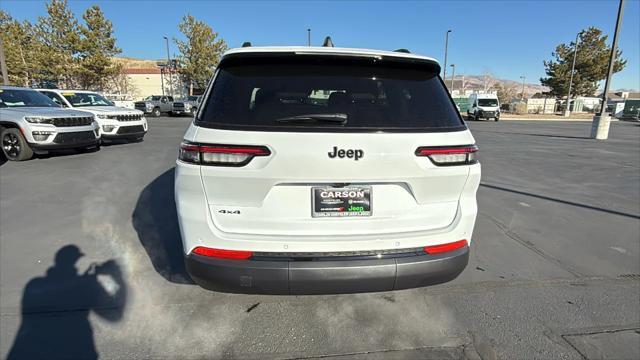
(540, 135)
(55, 308)
(156, 222)
(595, 208)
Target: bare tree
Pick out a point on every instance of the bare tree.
(488, 80)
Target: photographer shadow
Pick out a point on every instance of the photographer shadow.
(55, 308)
(156, 221)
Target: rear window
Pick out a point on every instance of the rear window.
(320, 93)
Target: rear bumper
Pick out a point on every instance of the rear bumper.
(326, 276)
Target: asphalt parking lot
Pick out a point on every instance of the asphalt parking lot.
(554, 269)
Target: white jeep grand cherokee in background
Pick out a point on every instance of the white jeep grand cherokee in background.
(30, 122)
(326, 170)
(115, 122)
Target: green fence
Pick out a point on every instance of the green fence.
(463, 103)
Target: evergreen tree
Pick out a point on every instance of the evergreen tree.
(200, 53)
(59, 41)
(97, 47)
(18, 44)
(592, 61)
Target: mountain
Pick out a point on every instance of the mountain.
(482, 82)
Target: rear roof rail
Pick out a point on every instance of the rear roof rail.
(327, 42)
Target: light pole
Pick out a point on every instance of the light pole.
(446, 49)
(453, 75)
(162, 79)
(600, 125)
(308, 37)
(522, 94)
(567, 111)
(169, 67)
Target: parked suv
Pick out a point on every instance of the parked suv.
(326, 170)
(30, 122)
(187, 106)
(115, 122)
(155, 105)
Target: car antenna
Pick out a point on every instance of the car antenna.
(402, 51)
(246, 44)
(327, 42)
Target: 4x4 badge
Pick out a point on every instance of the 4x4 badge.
(351, 153)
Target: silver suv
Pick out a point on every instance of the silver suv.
(30, 122)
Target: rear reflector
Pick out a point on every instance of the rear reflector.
(222, 254)
(220, 155)
(449, 155)
(442, 248)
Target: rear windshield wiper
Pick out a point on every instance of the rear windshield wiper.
(338, 118)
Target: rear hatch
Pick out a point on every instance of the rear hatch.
(315, 145)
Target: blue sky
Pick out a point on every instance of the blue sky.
(507, 38)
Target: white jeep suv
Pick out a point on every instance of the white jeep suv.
(115, 122)
(30, 122)
(326, 170)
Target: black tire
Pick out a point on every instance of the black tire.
(156, 112)
(14, 145)
(497, 119)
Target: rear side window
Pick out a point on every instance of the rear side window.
(320, 93)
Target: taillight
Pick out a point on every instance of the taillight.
(449, 155)
(223, 254)
(442, 248)
(220, 155)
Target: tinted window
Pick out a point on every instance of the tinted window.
(87, 99)
(53, 96)
(488, 102)
(24, 98)
(257, 94)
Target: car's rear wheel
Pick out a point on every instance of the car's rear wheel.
(497, 118)
(156, 112)
(14, 145)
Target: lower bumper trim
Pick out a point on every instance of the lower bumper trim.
(333, 276)
(55, 146)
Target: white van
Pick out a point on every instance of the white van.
(483, 106)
